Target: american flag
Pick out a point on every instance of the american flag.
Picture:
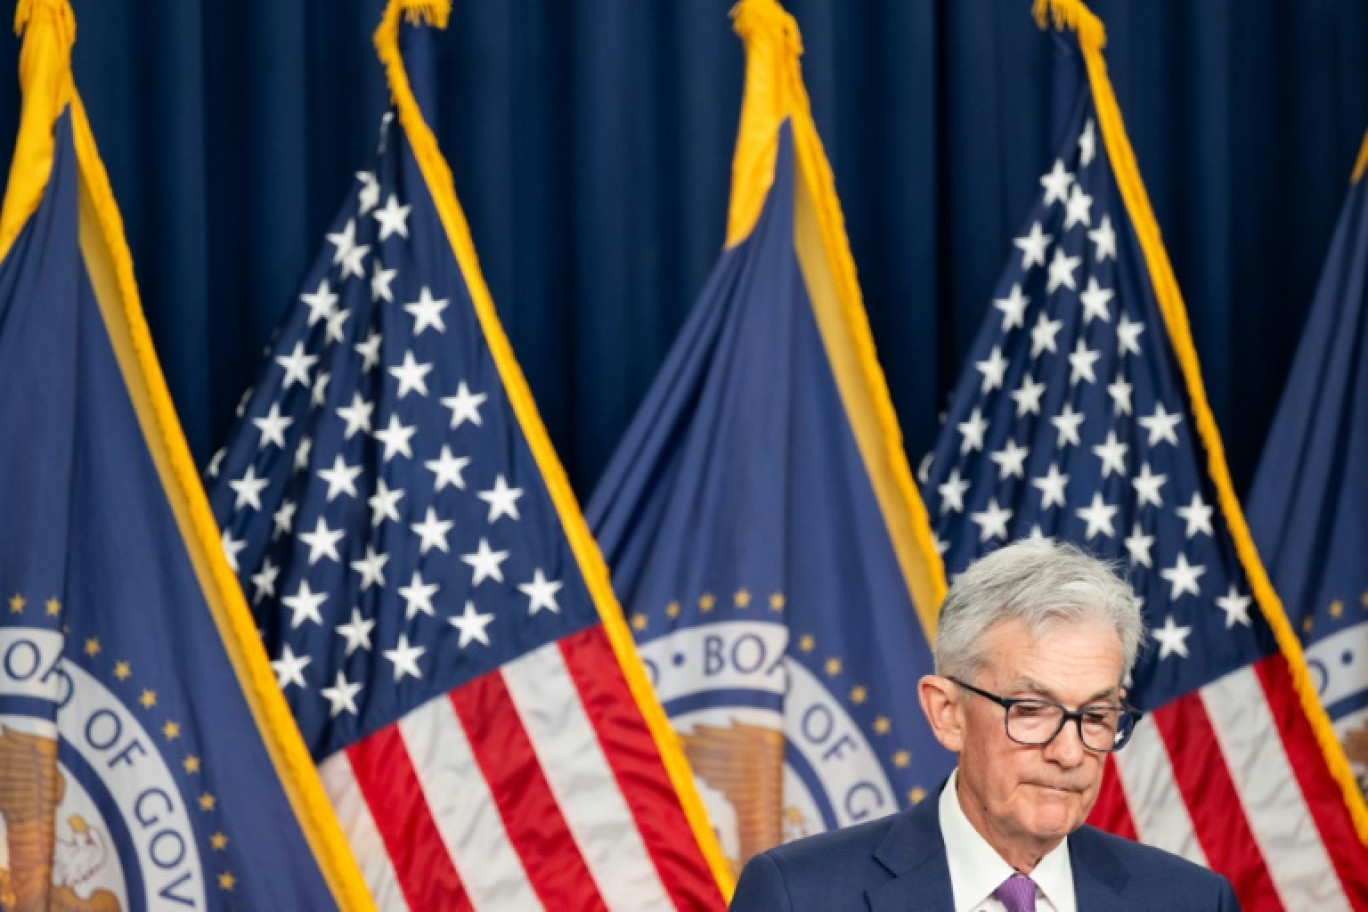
(428, 593)
(1074, 419)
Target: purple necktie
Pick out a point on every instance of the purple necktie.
(1017, 893)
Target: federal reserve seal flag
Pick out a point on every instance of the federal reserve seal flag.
(1310, 495)
(146, 758)
(760, 519)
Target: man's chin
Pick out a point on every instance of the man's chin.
(1058, 812)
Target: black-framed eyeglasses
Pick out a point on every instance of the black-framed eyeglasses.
(1032, 721)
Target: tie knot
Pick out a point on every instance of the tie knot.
(1017, 893)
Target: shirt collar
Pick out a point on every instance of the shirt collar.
(976, 869)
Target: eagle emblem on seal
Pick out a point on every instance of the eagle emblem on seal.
(1356, 747)
(45, 870)
(745, 763)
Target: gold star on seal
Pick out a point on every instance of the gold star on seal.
(148, 699)
(1306, 624)
(1336, 608)
(706, 602)
(882, 726)
(92, 647)
(191, 764)
(171, 730)
(833, 667)
(226, 881)
(54, 607)
(17, 603)
(122, 670)
(807, 642)
(218, 842)
(741, 599)
(858, 695)
(901, 759)
(638, 622)
(916, 794)
(207, 802)
(777, 601)
(672, 610)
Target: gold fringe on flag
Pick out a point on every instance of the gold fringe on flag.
(1362, 162)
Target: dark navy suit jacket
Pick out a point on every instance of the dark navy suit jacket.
(898, 863)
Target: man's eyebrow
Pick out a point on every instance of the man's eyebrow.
(1032, 686)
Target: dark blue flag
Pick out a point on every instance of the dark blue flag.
(145, 762)
(1081, 416)
(1310, 495)
(759, 518)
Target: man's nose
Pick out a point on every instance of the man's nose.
(1067, 747)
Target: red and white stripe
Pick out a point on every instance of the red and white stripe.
(535, 786)
(364, 837)
(1231, 777)
(1155, 804)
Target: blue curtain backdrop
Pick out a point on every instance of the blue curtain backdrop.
(591, 145)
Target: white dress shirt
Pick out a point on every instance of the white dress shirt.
(976, 869)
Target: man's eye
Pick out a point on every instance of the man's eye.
(1032, 710)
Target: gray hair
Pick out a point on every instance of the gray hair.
(1038, 582)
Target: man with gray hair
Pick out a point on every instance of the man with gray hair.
(1035, 643)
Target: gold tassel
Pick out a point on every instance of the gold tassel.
(1071, 14)
(435, 13)
(25, 10)
(752, 18)
(48, 28)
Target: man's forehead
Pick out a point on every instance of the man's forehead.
(1025, 684)
(1050, 632)
(1059, 656)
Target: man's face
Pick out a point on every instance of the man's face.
(1030, 797)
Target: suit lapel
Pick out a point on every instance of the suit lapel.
(1099, 876)
(913, 853)
(914, 856)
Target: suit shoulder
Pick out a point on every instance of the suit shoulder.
(827, 872)
(1154, 872)
(1138, 856)
(860, 839)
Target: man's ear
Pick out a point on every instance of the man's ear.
(941, 701)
